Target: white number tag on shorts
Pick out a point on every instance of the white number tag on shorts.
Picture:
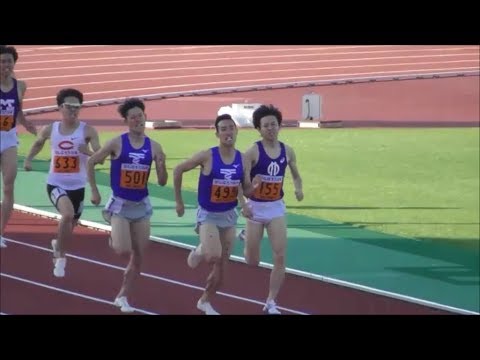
(56, 193)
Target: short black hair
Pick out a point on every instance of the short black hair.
(62, 94)
(266, 110)
(223, 117)
(5, 49)
(130, 103)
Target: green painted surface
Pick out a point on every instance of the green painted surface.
(425, 269)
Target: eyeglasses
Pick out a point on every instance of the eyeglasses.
(71, 106)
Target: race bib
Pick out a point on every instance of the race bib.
(6, 122)
(134, 176)
(133, 179)
(66, 164)
(224, 191)
(270, 188)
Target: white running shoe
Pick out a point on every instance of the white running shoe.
(58, 262)
(271, 308)
(206, 307)
(123, 304)
(3, 243)
(59, 268)
(193, 258)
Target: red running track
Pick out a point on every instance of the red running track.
(105, 72)
(167, 284)
(427, 102)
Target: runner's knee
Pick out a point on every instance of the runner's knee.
(211, 248)
(68, 216)
(9, 179)
(121, 248)
(213, 255)
(279, 258)
(8, 189)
